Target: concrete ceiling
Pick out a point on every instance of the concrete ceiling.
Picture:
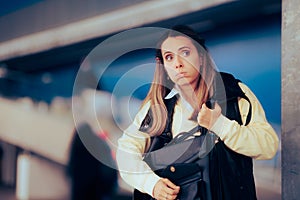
(204, 20)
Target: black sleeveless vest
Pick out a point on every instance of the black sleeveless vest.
(231, 173)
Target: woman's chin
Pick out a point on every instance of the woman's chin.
(184, 83)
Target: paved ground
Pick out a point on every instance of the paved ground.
(9, 194)
(263, 194)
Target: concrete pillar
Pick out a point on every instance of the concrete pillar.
(290, 99)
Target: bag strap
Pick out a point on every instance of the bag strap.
(185, 135)
(250, 109)
(170, 104)
(228, 86)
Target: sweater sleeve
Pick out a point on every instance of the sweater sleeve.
(131, 146)
(257, 139)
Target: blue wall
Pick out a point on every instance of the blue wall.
(252, 52)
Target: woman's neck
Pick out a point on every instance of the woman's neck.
(188, 93)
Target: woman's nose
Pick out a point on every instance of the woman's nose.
(178, 62)
(178, 66)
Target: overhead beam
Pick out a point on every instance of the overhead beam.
(101, 25)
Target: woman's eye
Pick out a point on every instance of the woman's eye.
(185, 53)
(168, 57)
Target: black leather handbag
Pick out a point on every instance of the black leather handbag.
(184, 161)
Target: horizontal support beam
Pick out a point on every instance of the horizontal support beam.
(101, 25)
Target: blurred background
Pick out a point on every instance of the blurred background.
(43, 44)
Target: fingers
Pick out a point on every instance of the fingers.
(216, 106)
(171, 185)
(165, 189)
(207, 117)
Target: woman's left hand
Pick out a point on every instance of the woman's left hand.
(207, 117)
(164, 189)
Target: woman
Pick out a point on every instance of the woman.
(185, 69)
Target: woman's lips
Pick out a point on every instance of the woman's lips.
(181, 75)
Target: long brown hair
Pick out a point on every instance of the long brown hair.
(161, 84)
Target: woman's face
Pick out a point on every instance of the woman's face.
(181, 60)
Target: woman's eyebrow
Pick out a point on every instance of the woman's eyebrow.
(181, 48)
(167, 52)
(184, 47)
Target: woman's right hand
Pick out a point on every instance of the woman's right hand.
(164, 189)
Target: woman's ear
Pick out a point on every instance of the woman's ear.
(158, 60)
